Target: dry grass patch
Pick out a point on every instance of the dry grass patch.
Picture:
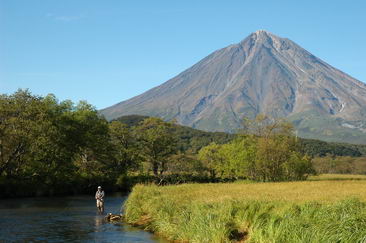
(320, 210)
(321, 191)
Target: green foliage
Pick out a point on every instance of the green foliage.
(240, 154)
(317, 148)
(33, 143)
(212, 158)
(157, 143)
(91, 134)
(127, 156)
(60, 147)
(192, 140)
(184, 163)
(50, 145)
(131, 120)
(187, 139)
(266, 151)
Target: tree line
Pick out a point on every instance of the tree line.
(193, 140)
(52, 147)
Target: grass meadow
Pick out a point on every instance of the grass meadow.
(326, 208)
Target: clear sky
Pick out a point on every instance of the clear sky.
(108, 51)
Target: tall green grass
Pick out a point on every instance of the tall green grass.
(167, 212)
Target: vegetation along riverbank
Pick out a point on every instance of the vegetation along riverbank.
(325, 209)
(52, 147)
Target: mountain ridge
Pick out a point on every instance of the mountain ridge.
(263, 73)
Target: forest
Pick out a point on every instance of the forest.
(52, 147)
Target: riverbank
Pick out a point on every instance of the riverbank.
(12, 188)
(309, 211)
(29, 187)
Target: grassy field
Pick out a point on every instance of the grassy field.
(327, 208)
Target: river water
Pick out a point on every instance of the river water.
(65, 219)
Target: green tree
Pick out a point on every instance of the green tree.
(19, 116)
(33, 145)
(278, 155)
(184, 163)
(90, 132)
(240, 155)
(127, 155)
(213, 159)
(157, 143)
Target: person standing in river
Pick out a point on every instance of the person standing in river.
(99, 196)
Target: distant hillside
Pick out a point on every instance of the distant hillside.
(264, 73)
(193, 140)
(188, 138)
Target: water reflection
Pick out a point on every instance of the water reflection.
(98, 222)
(70, 219)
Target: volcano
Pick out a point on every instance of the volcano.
(263, 74)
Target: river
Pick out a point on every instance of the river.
(65, 219)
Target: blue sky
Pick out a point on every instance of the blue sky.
(108, 51)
